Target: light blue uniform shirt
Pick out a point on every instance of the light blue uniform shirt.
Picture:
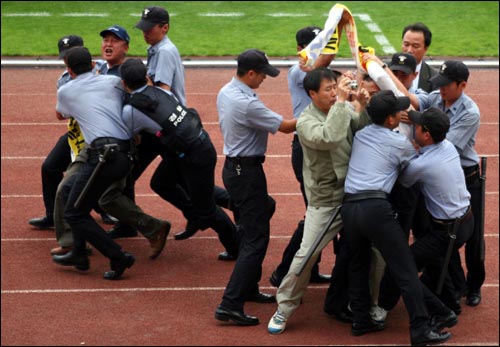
(464, 124)
(300, 99)
(378, 155)
(139, 121)
(95, 101)
(63, 79)
(244, 120)
(165, 66)
(441, 180)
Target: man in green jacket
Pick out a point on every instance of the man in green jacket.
(326, 130)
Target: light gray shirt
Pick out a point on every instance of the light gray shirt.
(464, 124)
(244, 120)
(441, 180)
(95, 101)
(300, 99)
(165, 66)
(378, 155)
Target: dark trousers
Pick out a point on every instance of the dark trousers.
(53, 169)
(247, 187)
(374, 220)
(474, 247)
(195, 196)
(429, 252)
(337, 296)
(84, 227)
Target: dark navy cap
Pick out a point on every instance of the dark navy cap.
(256, 60)
(433, 120)
(451, 70)
(152, 16)
(67, 42)
(118, 31)
(403, 62)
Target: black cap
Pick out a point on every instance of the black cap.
(385, 103)
(133, 72)
(118, 31)
(152, 16)
(67, 42)
(79, 60)
(403, 62)
(256, 60)
(451, 70)
(305, 35)
(433, 120)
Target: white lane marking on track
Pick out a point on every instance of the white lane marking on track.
(31, 196)
(138, 238)
(158, 289)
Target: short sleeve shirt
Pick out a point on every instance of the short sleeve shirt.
(96, 103)
(244, 120)
(165, 66)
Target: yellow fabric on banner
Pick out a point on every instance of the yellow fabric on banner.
(75, 137)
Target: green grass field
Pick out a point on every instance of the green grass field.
(225, 28)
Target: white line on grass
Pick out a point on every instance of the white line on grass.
(29, 14)
(375, 29)
(85, 14)
(228, 14)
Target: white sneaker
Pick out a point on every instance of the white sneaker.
(277, 323)
(378, 314)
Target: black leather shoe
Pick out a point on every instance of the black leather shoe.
(262, 298)
(238, 317)
(80, 262)
(439, 322)
(224, 256)
(191, 229)
(341, 316)
(108, 219)
(42, 223)
(473, 297)
(430, 338)
(119, 267)
(371, 326)
(275, 280)
(121, 230)
(319, 278)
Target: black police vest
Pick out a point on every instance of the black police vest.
(181, 126)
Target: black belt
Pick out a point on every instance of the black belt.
(247, 160)
(101, 142)
(465, 216)
(365, 195)
(471, 171)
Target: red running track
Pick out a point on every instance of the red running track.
(171, 300)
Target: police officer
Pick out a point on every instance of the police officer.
(464, 124)
(59, 158)
(377, 155)
(442, 183)
(189, 153)
(245, 124)
(96, 103)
